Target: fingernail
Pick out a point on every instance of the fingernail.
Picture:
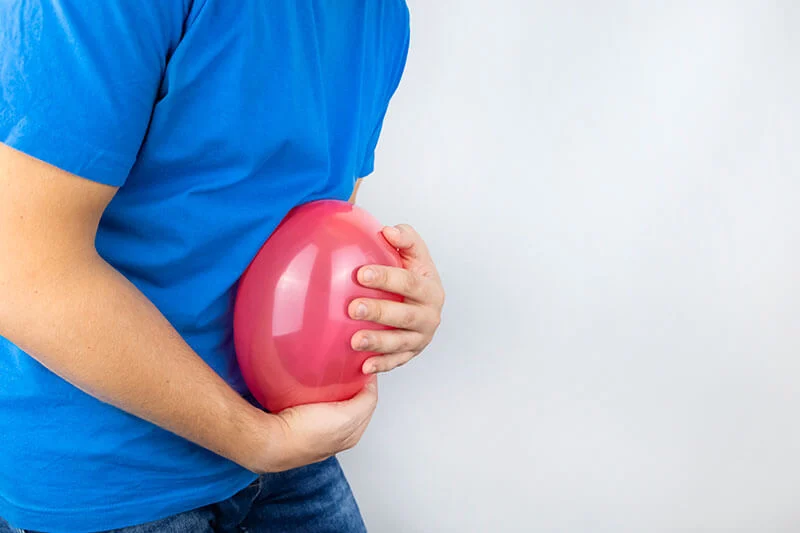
(361, 311)
(364, 343)
(369, 275)
(391, 230)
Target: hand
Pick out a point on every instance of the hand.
(311, 433)
(416, 319)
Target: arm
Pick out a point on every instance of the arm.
(68, 308)
(355, 191)
(84, 321)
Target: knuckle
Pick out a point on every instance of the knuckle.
(430, 294)
(375, 311)
(400, 346)
(381, 275)
(405, 360)
(408, 319)
(411, 283)
(411, 343)
(374, 343)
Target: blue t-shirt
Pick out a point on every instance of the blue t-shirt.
(215, 118)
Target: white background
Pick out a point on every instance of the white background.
(611, 192)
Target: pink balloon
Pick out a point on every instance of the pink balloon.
(292, 329)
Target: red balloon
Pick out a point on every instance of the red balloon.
(292, 329)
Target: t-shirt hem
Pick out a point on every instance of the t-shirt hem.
(117, 516)
(367, 169)
(62, 151)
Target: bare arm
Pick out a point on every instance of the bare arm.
(73, 312)
(355, 190)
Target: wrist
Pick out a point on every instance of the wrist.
(263, 442)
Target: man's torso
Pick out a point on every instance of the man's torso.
(262, 106)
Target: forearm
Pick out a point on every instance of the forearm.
(88, 324)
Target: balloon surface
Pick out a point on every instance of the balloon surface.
(292, 329)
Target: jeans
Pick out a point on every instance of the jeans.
(312, 499)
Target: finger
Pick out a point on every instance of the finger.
(408, 241)
(394, 341)
(386, 363)
(398, 281)
(395, 314)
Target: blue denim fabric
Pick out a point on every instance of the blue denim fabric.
(312, 499)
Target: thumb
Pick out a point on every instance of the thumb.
(365, 400)
(407, 241)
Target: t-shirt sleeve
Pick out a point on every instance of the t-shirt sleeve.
(79, 79)
(397, 65)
